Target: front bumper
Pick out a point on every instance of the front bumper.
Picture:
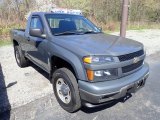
(100, 92)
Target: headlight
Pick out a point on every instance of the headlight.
(102, 74)
(97, 59)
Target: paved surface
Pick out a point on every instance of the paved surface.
(144, 105)
(32, 98)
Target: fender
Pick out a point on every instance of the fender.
(68, 56)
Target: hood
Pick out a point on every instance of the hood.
(98, 44)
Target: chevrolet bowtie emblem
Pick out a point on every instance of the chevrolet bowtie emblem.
(135, 59)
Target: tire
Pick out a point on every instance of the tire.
(69, 79)
(20, 58)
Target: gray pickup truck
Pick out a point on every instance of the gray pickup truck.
(86, 66)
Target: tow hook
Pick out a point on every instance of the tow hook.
(140, 83)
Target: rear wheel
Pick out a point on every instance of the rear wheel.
(66, 89)
(20, 58)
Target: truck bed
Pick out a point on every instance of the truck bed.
(17, 34)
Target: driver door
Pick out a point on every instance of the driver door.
(37, 45)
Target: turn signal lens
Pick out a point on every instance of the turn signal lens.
(90, 75)
(87, 60)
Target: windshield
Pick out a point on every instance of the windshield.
(63, 24)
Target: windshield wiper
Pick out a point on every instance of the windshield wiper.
(66, 33)
(75, 32)
(88, 32)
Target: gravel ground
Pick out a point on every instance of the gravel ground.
(150, 38)
(27, 85)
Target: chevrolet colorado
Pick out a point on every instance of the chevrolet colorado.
(84, 64)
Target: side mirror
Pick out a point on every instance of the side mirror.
(37, 33)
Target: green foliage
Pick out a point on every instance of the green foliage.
(104, 13)
(5, 29)
(5, 42)
(83, 5)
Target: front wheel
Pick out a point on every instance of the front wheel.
(66, 89)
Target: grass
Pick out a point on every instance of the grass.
(109, 32)
(5, 42)
(141, 26)
(134, 26)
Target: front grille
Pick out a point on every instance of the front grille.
(132, 67)
(130, 56)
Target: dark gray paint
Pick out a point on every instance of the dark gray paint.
(73, 48)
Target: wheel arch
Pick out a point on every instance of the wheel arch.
(60, 62)
(15, 43)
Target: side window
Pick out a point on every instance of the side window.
(36, 23)
(54, 23)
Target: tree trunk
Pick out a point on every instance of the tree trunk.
(18, 10)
